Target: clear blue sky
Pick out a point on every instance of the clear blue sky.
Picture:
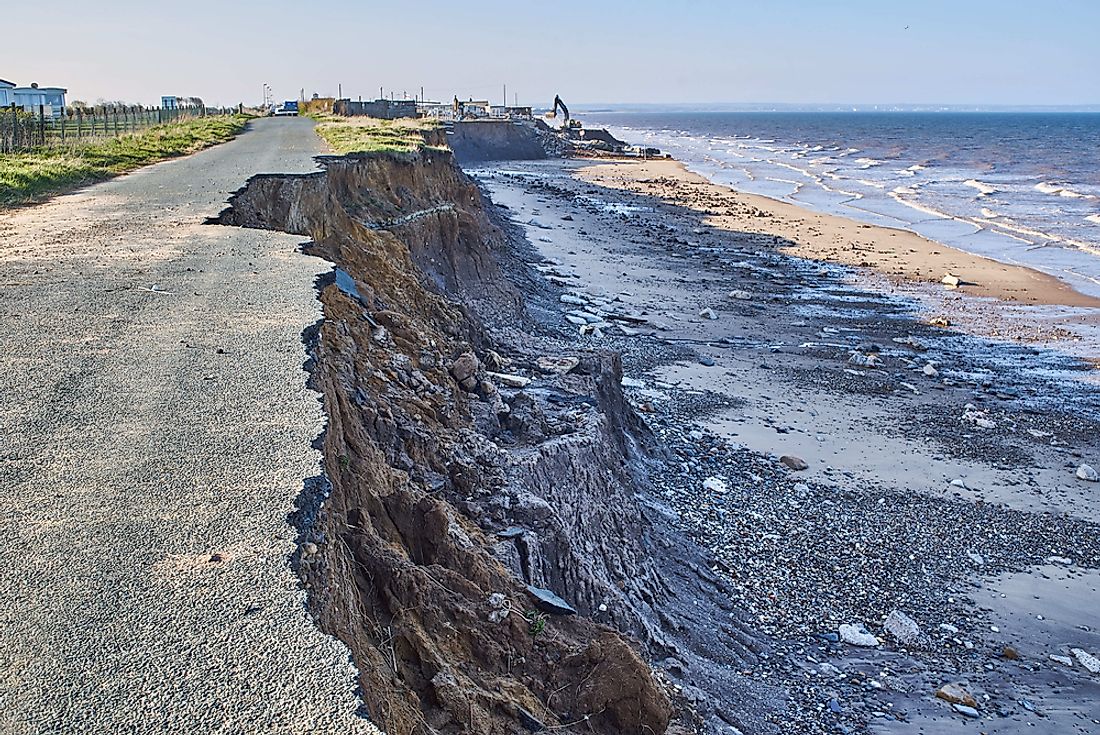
(788, 51)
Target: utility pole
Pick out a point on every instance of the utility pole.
(422, 94)
(381, 95)
(505, 95)
(339, 91)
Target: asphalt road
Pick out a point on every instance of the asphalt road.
(155, 429)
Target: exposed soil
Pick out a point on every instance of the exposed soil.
(475, 456)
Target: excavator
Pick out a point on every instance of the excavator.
(566, 121)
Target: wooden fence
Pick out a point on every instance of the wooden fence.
(22, 130)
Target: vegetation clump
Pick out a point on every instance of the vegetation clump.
(372, 135)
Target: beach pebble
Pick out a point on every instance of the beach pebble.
(871, 360)
(708, 313)
(966, 711)
(955, 694)
(930, 370)
(568, 298)
(857, 635)
(795, 463)
(740, 294)
(1087, 473)
(1086, 659)
(715, 485)
(1064, 660)
(902, 628)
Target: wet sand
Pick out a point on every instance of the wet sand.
(901, 257)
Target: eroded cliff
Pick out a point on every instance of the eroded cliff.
(482, 477)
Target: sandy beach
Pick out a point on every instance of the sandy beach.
(903, 258)
(842, 458)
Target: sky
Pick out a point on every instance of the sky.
(813, 52)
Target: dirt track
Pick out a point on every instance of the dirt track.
(155, 430)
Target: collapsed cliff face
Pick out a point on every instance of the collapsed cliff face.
(478, 488)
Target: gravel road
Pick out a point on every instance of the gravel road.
(155, 430)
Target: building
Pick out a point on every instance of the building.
(471, 108)
(50, 99)
(6, 97)
(438, 110)
(174, 102)
(380, 108)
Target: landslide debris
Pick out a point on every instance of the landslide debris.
(479, 484)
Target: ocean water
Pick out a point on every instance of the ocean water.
(1018, 187)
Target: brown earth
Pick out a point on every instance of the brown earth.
(446, 492)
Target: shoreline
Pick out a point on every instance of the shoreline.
(926, 262)
(936, 467)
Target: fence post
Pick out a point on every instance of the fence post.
(41, 125)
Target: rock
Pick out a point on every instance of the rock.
(549, 602)
(1010, 653)
(902, 628)
(568, 298)
(557, 365)
(465, 367)
(708, 313)
(955, 694)
(939, 321)
(512, 381)
(857, 635)
(951, 281)
(1087, 473)
(871, 360)
(930, 370)
(528, 720)
(740, 295)
(910, 341)
(494, 361)
(966, 711)
(795, 463)
(958, 482)
(1086, 659)
(574, 319)
(706, 361)
(1064, 660)
(715, 485)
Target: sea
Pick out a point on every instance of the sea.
(1019, 187)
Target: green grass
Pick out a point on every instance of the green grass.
(371, 135)
(30, 176)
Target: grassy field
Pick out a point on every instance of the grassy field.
(371, 135)
(27, 177)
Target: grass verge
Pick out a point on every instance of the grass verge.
(371, 135)
(30, 176)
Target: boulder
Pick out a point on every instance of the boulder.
(465, 366)
(1087, 473)
(856, 634)
(955, 694)
(1086, 659)
(795, 463)
(902, 628)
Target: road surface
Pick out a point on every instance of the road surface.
(155, 430)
